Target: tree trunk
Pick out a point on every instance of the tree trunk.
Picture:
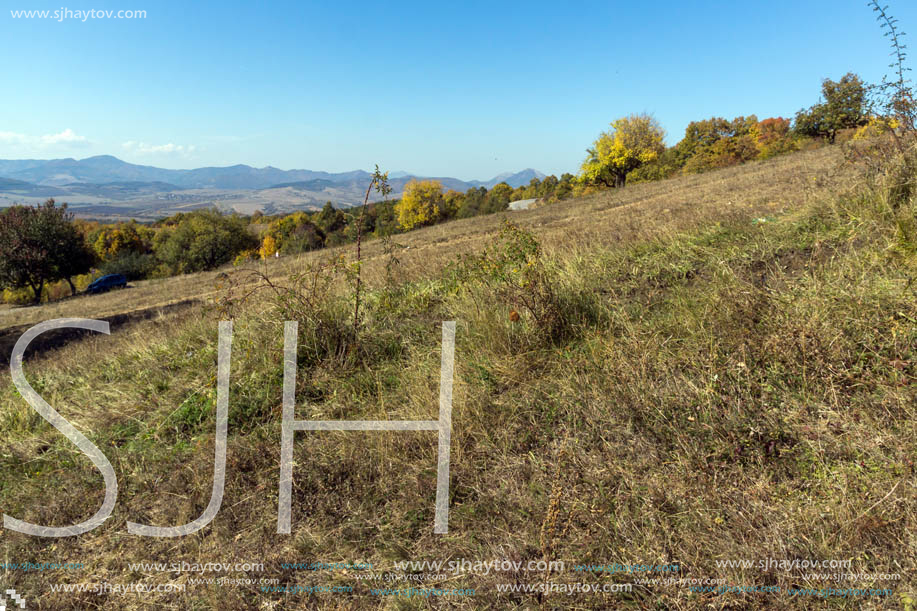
(38, 290)
(72, 288)
(620, 179)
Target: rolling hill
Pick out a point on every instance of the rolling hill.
(709, 368)
(108, 189)
(106, 169)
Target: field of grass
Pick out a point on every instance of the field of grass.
(712, 368)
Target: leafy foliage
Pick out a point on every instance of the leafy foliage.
(294, 233)
(330, 219)
(268, 247)
(513, 270)
(843, 106)
(421, 204)
(631, 142)
(203, 240)
(113, 241)
(772, 137)
(40, 244)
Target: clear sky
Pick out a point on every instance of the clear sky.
(466, 89)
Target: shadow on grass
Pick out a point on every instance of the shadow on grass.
(60, 337)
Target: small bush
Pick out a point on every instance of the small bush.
(133, 265)
(308, 298)
(23, 296)
(247, 256)
(514, 271)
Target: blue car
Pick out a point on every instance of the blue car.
(106, 283)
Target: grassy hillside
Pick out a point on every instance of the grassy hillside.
(712, 368)
(652, 209)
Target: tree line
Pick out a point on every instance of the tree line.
(634, 149)
(46, 254)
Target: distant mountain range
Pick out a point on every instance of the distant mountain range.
(108, 170)
(106, 187)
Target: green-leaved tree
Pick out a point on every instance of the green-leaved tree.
(202, 240)
(40, 244)
(843, 106)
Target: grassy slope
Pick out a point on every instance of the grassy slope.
(653, 208)
(724, 390)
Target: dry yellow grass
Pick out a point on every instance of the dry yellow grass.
(639, 212)
(723, 391)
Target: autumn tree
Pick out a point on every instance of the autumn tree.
(203, 240)
(296, 233)
(113, 241)
(564, 188)
(421, 203)
(664, 166)
(843, 105)
(452, 203)
(498, 198)
(546, 189)
(473, 202)
(40, 244)
(716, 143)
(702, 135)
(330, 219)
(772, 137)
(631, 142)
(124, 248)
(386, 222)
(268, 247)
(361, 222)
(74, 258)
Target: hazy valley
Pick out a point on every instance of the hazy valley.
(106, 188)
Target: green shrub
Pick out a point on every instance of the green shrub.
(133, 265)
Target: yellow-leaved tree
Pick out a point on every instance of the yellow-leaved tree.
(268, 247)
(421, 204)
(111, 241)
(631, 142)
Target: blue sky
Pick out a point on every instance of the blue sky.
(466, 89)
